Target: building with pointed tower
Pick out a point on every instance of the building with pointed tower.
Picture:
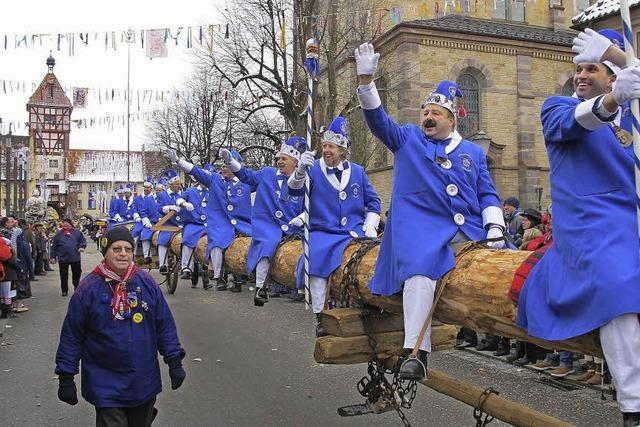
(49, 128)
(76, 182)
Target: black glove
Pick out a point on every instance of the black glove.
(176, 373)
(67, 391)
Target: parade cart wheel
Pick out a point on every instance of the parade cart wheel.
(174, 274)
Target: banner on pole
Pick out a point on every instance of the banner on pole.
(80, 97)
(156, 46)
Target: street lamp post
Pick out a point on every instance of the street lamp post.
(129, 39)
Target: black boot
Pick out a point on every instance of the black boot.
(414, 368)
(222, 285)
(164, 270)
(261, 297)
(320, 332)
(489, 343)
(185, 273)
(148, 260)
(503, 347)
(518, 353)
(4, 311)
(631, 419)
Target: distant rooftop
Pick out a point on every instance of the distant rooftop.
(600, 10)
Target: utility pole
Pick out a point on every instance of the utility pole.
(129, 39)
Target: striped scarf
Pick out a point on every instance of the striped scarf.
(120, 300)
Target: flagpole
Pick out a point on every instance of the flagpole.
(630, 55)
(313, 69)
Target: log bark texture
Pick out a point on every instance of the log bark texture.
(235, 257)
(352, 350)
(348, 322)
(200, 252)
(283, 264)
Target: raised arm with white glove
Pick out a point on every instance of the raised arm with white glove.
(370, 226)
(182, 164)
(296, 180)
(592, 47)
(366, 60)
(231, 163)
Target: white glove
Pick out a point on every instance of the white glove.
(297, 221)
(225, 155)
(306, 161)
(136, 217)
(188, 206)
(627, 85)
(146, 222)
(174, 208)
(117, 217)
(171, 155)
(590, 46)
(231, 163)
(370, 226)
(493, 233)
(366, 60)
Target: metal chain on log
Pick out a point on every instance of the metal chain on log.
(478, 412)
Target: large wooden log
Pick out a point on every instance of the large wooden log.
(475, 293)
(176, 244)
(348, 322)
(351, 350)
(235, 256)
(200, 252)
(283, 264)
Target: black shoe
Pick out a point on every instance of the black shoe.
(487, 346)
(206, 286)
(503, 347)
(298, 298)
(148, 260)
(237, 287)
(414, 368)
(222, 285)
(524, 360)
(631, 419)
(320, 332)
(518, 353)
(164, 270)
(274, 291)
(261, 297)
(64, 293)
(465, 344)
(185, 273)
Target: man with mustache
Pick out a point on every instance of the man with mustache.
(590, 278)
(442, 194)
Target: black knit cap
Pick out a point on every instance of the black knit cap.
(115, 234)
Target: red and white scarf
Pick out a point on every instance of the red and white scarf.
(120, 294)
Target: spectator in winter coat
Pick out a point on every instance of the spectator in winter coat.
(530, 225)
(41, 249)
(512, 217)
(117, 323)
(66, 247)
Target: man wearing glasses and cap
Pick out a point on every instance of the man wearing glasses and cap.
(344, 206)
(273, 208)
(442, 194)
(116, 324)
(589, 279)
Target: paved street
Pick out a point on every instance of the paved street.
(248, 366)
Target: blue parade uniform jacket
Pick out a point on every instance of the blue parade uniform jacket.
(220, 231)
(138, 208)
(65, 248)
(129, 208)
(119, 357)
(152, 212)
(116, 206)
(273, 208)
(168, 198)
(195, 222)
(239, 197)
(338, 209)
(591, 273)
(430, 202)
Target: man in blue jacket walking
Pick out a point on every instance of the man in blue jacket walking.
(66, 247)
(117, 323)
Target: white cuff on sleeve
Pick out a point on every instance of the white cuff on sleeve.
(368, 96)
(492, 215)
(234, 165)
(180, 201)
(185, 166)
(585, 116)
(372, 219)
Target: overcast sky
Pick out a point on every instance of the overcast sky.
(92, 66)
